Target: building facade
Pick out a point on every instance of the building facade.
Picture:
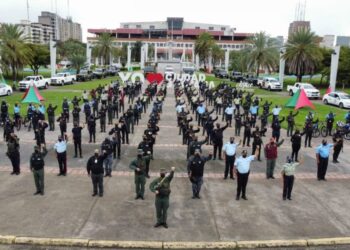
(64, 29)
(343, 41)
(36, 32)
(328, 41)
(172, 38)
(297, 25)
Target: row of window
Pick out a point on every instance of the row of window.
(188, 45)
(152, 27)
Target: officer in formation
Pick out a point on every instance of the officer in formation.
(288, 171)
(95, 170)
(107, 147)
(76, 131)
(161, 188)
(37, 164)
(61, 154)
(229, 154)
(322, 155)
(13, 153)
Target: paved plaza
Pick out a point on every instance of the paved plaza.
(318, 209)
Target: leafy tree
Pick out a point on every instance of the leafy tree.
(217, 54)
(40, 57)
(343, 75)
(104, 47)
(203, 46)
(264, 53)
(136, 51)
(239, 60)
(14, 51)
(74, 51)
(302, 53)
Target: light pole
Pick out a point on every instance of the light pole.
(334, 67)
(282, 66)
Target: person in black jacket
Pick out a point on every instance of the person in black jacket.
(76, 131)
(51, 116)
(92, 127)
(217, 138)
(296, 144)
(107, 147)
(195, 170)
(94, 169)
(37, 164)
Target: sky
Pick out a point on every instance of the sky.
(271, 16)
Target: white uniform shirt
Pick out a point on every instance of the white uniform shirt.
(243, 164)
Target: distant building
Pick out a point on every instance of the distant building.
(36, 32)
(297, 25)
(64, 29)
(173, 37)
(280, 41)
(327, 41)
(343, 41)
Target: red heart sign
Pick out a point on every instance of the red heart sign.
(155, 77)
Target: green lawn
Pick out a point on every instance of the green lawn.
(90, 84)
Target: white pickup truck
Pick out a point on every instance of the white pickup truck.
(270, 84)
(38, 81)
(63, 78)
(310, 90)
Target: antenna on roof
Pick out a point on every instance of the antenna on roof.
(68, 14)
(28, 10)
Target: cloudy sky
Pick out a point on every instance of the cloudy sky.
(272, 16)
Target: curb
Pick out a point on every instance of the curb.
(87, 243)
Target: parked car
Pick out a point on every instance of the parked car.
(251, 79)
(99, 73)
(310, 90)
(169, 71)
(5, 89)
(85, 75)
(38, 81)
(148, 69)
(340, 99)
(270, 84)
(63, 79)
(188, 69)
(236, 76)
(112, 71)
(221, 73)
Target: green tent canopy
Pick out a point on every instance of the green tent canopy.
(32, 96)
(292, 102)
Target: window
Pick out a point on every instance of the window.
(223, 28)
(151, 27)
(197, 28)
(138, 26)
(211, 28)
(126, 26)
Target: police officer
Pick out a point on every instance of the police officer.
(61, 155)
(296, 144)
(76, 131)
(107, 147)
(288, 171)
(322, 154)
(94, 169)
(13, 153)
(338, 145)
(87, 111)
(102, 115)
(161, 188)
(139, 166)
(291, 122)
(116, 132)
(51, 116)
(37, 164)
(92, 127)
(146, 147)
(229, 153)
(329, 121)
(63, 123)
(65, 109)
(195, 170)
(76, 114)
(217, 139)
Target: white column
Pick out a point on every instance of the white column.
(334, 67)
(155, 53)
(227, 59)
(146, 52)
(142, 53)
(197, 62)
(282, 67)
(96, 61)
(193, 56)
(170, 49)
(88, 54)
(110, 58)
(210, 63)
(53, 57)
(128, 65)
(183, 57)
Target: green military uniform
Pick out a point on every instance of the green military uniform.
(37, 166)
(140, 176)
(162, 185)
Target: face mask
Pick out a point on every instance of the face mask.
(162, 175)
(324, 144)
(96, 154)
(244, 156)
(231, 142)
(59, 140)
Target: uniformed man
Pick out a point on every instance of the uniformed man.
(116, 132)
(288, 171)
(94, 168)
(13, 153)
(322, 154)
(61, 154)
(229, 154)
(291, 122)
(195, 170)
(37, 164)
(76, 114)
(76, 131)
(146, 147)
(92, 127)
(161, 188)
(139, 166)
(107, 147)
(51, 116)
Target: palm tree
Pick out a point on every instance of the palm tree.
(203, 46)
(14, 52)
(239, 60)
(264, 53)
(217, 54)
(104, 47)
(302, 53)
